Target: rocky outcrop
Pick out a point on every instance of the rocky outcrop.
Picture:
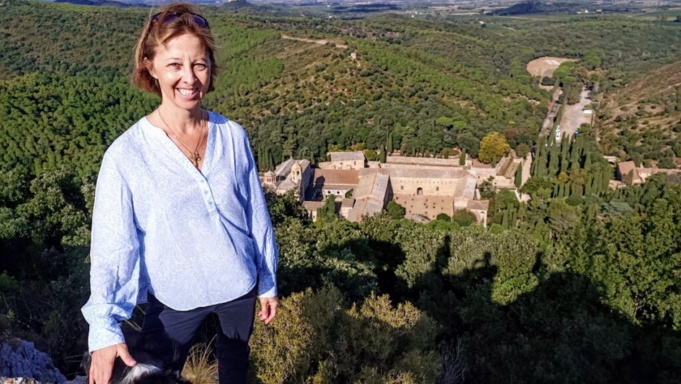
(21, 363)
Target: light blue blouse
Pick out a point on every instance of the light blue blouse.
(190, 238)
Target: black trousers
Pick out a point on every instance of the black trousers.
(236, 325)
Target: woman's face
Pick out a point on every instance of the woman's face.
(182, 68)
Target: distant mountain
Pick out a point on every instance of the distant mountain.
(129, 3)
(107, 3)
(533, 7)
(336, 3)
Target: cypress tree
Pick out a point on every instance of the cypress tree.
(574, 152)
(539, 151)
(270, 159)
(587, 185)
(587, 161)
(554, 159)
(389, 143)
(596, 183)
(542, 165)
(462, 157)
(538, 148)
(564, 154)
(519, 176)
(605, 179)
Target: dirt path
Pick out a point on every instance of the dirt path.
(318, 42)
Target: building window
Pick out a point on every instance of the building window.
(401, 187)
(419, 191)
(437, 188)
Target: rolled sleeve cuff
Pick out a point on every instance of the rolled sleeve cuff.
(269, 293)
(267, 287)
(102, 337)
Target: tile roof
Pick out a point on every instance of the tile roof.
(335, 176)
(346, 156)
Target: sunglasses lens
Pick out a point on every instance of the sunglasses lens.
(172, 16)
(200, 21)
(170, 19)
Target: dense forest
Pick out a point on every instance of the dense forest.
(580, 284)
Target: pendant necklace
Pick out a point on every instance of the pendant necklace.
(195, 156)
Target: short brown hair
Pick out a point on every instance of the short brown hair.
(157, 32)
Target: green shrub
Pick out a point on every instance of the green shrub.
(315, 338)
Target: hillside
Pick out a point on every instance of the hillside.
(429, 85)
(294, 97)
(645, 116)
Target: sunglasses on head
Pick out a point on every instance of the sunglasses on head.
(172, 16)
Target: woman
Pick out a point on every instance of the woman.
(180, 218)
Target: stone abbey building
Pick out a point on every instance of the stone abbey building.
(425, 187)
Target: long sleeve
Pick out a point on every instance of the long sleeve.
(262, 232)
(114, 255)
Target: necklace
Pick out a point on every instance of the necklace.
(195, 156)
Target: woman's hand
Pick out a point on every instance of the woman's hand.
(103, 361)
(268, 308)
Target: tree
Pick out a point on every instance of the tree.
(468, 143)
(285, 206)
(493, 147)
(667, 162)
(519, 176)
(522, 150)
(443, 217)
(464, 217)
(548, 81)
(395, 211)
(328, 211)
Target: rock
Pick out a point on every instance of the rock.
(21, 363)
(78, 380)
